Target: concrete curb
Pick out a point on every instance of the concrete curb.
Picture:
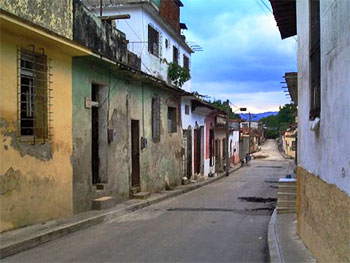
(15, 243)
(275, 254)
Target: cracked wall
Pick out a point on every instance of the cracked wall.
(160, 163)
(56, 16)
(35, 180)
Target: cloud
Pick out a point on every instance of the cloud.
(243, 52)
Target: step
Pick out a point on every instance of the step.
(286, 196)
(134, 190)
(287, 189)
(285, 210)
(141, 195)
(104, 202)
(185, 181)
(290, 204)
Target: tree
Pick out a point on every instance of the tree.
(222, 106)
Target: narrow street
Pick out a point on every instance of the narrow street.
(223, 222)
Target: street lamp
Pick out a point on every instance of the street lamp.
(227, 168)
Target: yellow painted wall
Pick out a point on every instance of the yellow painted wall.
(34, 187)
(289, 152)
(323, 216)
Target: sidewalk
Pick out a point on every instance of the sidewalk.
(284, 243)
(15, 241)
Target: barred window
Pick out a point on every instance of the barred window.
(156, 118)
(187, 109)
(172, 124)
(33, 96)
(153, 41)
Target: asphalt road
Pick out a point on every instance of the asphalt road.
(225, 221)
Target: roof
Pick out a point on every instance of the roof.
(284, 12)
(292, 84)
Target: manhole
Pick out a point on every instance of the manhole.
(258, 199)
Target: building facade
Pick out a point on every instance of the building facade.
(323, 176)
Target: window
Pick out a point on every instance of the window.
(153, 41)
(315, 60)
(33, 96)
(187, 109)
(175, 55)
(172, 125)
(166, 43)
(186, 62)
(156, 118)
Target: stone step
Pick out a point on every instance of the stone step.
(104, 202)
(141, 195)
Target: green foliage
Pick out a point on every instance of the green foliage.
(275, 124)
(222, 106)
(179, 75)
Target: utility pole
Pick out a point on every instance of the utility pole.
(249, 127)
(227, 138)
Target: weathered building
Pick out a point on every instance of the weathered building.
(323, 177)
(36, 141)
(127, 132)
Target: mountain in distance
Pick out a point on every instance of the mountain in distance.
(257, 116)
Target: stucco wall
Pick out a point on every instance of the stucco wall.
(56, 16)
(159, 162)
(323, 216)
(36, 180)
(326, 151)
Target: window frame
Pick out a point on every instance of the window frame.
(33, 91)
(186, 62)
(175, 55)
(172, 119)
(153, 39)
(314, 59)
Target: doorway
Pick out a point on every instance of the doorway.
(197, 151)
(135, 154)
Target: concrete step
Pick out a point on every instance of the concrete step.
(104, 202)
(141, 195)
(290, 203)
(134, 190)
(287, 189)
(286, 196)
(285, 210)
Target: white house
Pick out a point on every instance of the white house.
(323, 193)
(153, 32)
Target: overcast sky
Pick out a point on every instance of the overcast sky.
(244, 57)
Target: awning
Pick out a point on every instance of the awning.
(284, 12)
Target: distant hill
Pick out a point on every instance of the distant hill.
(245, 116)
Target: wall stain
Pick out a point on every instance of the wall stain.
(10, 181)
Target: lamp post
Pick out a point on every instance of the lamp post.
(227, 168)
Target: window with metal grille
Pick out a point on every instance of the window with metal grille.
(186, 62)
(153, 41)
(187, 109)
(156, 118)
(172, 124)
(315, 60)
(175, 55)
(33, 96)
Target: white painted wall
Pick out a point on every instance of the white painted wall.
(326, 151)
(136, 31)
(234, 136)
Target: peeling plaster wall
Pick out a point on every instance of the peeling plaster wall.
(160, 163)
(56, 16)
(35, 180)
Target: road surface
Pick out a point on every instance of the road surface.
(225, 221)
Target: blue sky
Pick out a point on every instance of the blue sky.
(244, 57)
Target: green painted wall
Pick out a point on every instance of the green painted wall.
(127, 100)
